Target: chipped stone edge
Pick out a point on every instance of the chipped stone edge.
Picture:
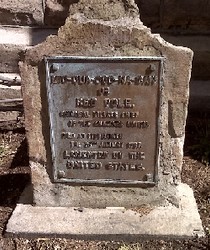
(109, 223)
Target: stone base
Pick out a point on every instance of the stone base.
(109, 223)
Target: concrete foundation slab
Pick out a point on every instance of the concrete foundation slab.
(109, 223)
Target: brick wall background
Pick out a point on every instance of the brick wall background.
(26, 23)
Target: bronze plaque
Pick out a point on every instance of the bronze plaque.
(104, 118)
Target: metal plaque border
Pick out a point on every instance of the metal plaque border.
(72, 59)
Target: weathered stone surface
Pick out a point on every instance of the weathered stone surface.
(177, 113)
(105, 10)
(184, 16)
(23, 12)
(194, 15)
(56, 12)
(109, 223)
(82, 196)
(95, 33)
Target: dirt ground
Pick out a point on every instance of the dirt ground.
(15, 174)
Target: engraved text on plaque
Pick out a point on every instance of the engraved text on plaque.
(104, 118)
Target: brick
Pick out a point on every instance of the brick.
(186, 14)
(21, 12)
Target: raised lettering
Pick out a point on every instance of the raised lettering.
(83, 165)
(85, 102)
(136, 155)
(119, 166)
(112, 144)
(137, 124)
(74, 114)
(118, 103)
(84, 154)
(108, 124)
(68, 135)
(140, 80)
(117, 155)
(133, 145)
(107, 136)
(105, 114)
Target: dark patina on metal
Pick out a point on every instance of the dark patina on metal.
(104, 118)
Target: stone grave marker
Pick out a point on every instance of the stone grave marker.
(105, 110)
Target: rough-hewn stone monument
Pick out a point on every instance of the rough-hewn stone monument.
(105, 110)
